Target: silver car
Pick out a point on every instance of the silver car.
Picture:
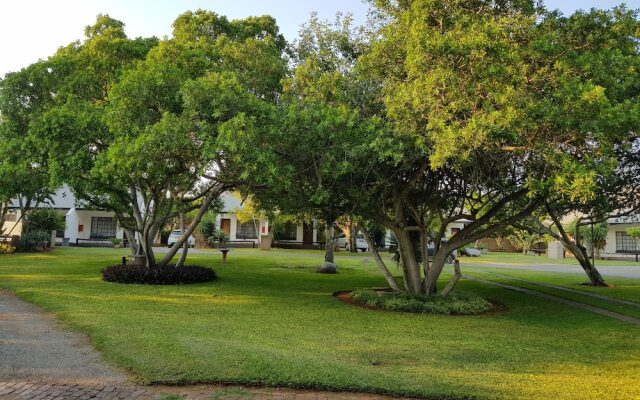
(342, 243)
(174, 236)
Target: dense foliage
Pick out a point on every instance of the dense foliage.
(33, 240)
(492, 112)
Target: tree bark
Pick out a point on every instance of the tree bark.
(353, 243)
(424, 251)
(454, 280)
(133, 243)
(330, 243)
(436, 268)
(410, 266)
(185, 246)
(580, 253)
(379, 262)
(148, 252)
(213, 194)
(4, 208)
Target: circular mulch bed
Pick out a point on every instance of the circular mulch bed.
(346, 296)
(165, 275)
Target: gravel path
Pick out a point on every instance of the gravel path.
(34, 347)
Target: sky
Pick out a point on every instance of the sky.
(34, 29)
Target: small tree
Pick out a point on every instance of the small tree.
(634, 232)
(524, 239)
(595, 235)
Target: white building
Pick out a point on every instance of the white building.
(248, 234)
(619, 243)
(82, 225)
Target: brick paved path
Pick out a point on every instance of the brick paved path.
(44, 391)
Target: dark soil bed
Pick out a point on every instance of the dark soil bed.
(457, 304)
(167, 275)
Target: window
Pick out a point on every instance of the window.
(11, 216)
(247, 230)
(103, 228)
(625, 242)
(290, 231)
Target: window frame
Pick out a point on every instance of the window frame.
(103, 232)
(242, 228)
(287, 229)
(625, 243)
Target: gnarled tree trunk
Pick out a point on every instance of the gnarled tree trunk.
(379, 262)
(410, 266)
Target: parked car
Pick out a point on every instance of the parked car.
(471, 252)
(431, 252)
(175, 235)
(361, 244)
(343, 243)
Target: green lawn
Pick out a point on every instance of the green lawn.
(271, 320)
(520, 259)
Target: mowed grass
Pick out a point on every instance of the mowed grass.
(520, 259)
(625, 289)
(270, 320)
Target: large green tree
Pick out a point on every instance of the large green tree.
(319, 149)
(24, 175)
(596, 121)
(136, 128)
(493, 108)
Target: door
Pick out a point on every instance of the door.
(307, 233)
(225, 225)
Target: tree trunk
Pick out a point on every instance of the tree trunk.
(215, 192)
(435, 269)
(410, 266)
(353, 244)
(454, 280)
(330, 243)
(580, 253)
(424, 251)
(185, 246)
(379, 262)
(148, 251)
(133, 243)
(4, 208)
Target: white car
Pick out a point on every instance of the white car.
(175, 235)
(342, 243)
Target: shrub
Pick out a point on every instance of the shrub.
(167, 275)
(217, 237)
(33, 240)
(116, 241)
(44, 219)
(455, 304)
(6, 248)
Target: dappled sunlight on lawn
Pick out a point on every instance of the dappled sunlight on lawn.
(165, 298)
(273, 320)
(50, 277)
